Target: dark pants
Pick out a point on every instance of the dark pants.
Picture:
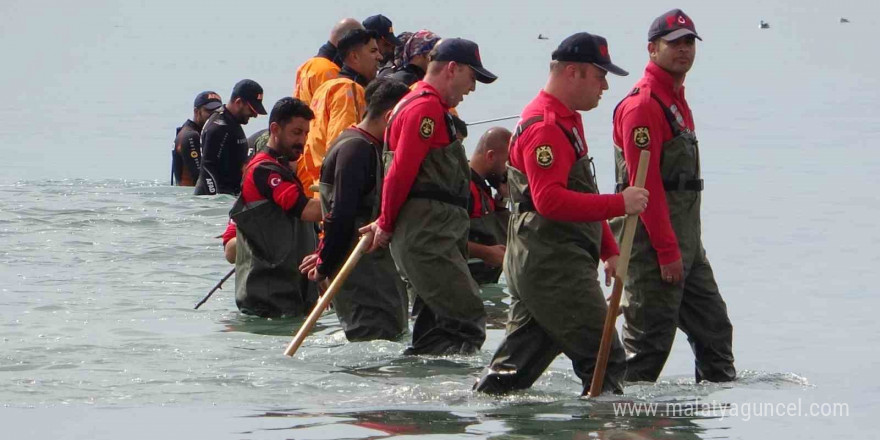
(654, 310)
(530, 346)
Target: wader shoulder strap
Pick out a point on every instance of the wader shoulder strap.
(670, 117)
(400, 106)
(670, 185)
(450, 126)
(527, 204)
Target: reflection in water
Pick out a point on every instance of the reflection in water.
(558, 420)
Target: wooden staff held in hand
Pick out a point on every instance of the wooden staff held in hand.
(363, 244)
(629, 230)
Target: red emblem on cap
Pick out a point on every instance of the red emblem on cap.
(477, 53)
(603, 49)
(682, 20)
(670, 20)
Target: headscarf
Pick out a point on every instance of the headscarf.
(420, 43)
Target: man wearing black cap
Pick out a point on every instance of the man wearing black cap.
(558, 229)
(339, 103)
(224, 145)
(382, 26)
(424, 203)
(187, 146)
(670, 283)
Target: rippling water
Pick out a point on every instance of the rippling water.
(98, 333)
(100, 264)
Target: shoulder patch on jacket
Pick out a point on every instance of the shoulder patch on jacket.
(426, 127)
(544, 156)
(641, 137)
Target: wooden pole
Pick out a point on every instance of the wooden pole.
(629, 230)
(334, 288)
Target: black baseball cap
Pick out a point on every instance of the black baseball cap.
(672, 26)
(465, 52)
(587, 48)
(208, 99)
(381, 25)
(250, 91)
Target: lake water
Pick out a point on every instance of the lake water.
(101, 261)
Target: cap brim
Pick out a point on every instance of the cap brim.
(678, 33)
(392, 39)
(258, 106)
(611, 68)
(213, 105)
(484, 76)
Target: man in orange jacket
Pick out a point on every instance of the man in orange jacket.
(339, 103)
(325, 65)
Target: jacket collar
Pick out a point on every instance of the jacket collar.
(347, 72)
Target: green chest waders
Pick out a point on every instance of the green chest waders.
(489, 229)
(653, 308)
(373, 301)
(270, 245)
(557, 305)
(429, 246)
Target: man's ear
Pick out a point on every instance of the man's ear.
(490, 155)
(274, 128)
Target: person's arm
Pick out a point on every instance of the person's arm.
(411, 148)
(652, 127)
(548, 180)
(213, 138)
(229, 241)
(609, 244)
(346, 109)
(286, 194)
(493, 256)
(350, 179)
(189, 148)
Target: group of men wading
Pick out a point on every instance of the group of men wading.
(386, 155)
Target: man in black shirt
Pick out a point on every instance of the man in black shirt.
(187, 146)
(387, 41)
(373, 301)
(224, 145)
(414, 62)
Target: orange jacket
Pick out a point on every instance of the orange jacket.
(314, 72)
(338, 104)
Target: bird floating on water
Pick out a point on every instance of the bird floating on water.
(764, 25)
(843, 20)
(542, 37)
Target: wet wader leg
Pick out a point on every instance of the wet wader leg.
(373, 302)
(451, 318)
(582, 347)
(703, 317)
(526, 351)
(651, 319)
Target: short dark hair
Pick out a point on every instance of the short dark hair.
(382, 94)
(288, 108)
(353, 40)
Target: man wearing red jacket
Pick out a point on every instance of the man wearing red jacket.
(558, 229)
(670, 282)
(424, 203)
(273, 220)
